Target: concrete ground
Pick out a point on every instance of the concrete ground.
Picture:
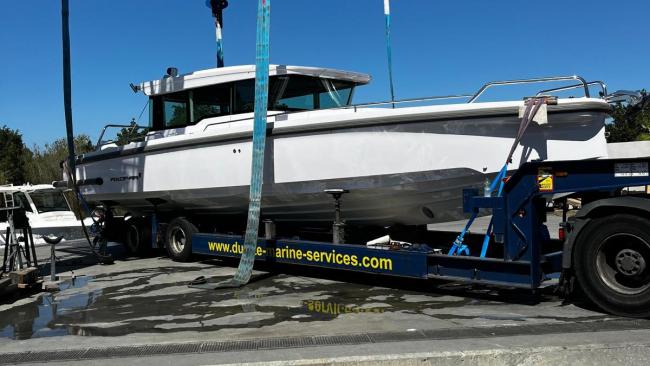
(142, 311)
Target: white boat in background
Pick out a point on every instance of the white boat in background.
(48, 211)
(405, 165)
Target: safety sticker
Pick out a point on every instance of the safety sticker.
(638, 169)
(545, 180)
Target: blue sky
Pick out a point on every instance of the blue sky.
(439, 47)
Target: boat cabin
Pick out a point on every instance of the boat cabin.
(184, 100)
(35, 199)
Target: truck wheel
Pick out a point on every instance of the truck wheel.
(611, 260)
(137, 237)
(178, 239)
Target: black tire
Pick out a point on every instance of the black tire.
(178, 239)
(137, 238)
(611, 261)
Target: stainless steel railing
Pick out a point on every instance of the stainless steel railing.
(486, 86)
(100, 141)
(603, 88)
(407, 100)
(471, 98)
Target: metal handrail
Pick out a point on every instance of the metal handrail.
(530, 81)
(603, 88)
(355, 106)
(471, 98)
(407, 100)
(101, 136)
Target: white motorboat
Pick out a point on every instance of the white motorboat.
(402, 164)
(48, 211)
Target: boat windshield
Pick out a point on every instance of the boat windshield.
(49, 201)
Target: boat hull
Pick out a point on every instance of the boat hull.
(399, 172)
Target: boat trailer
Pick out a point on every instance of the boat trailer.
(605, 250)
(608, 261)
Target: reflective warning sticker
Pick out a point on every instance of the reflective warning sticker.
(639, 169)
(545, 179)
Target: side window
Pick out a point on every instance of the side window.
(21, 200)
(336, 94)
(244, 93)
(211, 101)
(49, 201)
(175, 110)
(244, 96)
(299, 94)
(303, 93)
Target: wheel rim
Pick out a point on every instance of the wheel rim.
(621, 263)
(177, 239)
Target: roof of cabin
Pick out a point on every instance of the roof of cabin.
(25, 188)
(169, 84)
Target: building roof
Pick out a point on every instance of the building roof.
(169, 84)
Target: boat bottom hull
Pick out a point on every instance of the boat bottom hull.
(408, 199)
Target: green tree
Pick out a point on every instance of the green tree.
(12, 156)
(630, 122)
(44, 164)
(179, 116)
(131, 134)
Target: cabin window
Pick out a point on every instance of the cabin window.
(176, 110)
(244, 92)
(336, 94)
(49, 201)
(244, 96)
(210, 101)
(302, 93)
(286, 93)
(21, 200)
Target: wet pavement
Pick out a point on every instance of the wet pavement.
(144, 301)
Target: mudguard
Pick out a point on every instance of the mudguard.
(599, 208)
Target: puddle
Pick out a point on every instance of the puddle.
(156, 301)
(33, 319)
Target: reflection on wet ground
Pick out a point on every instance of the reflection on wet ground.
(154, 300)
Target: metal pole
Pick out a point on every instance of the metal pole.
(337, 237)
(388, 50)
(217, 7)
(218, 26)
(52, 263)
(67, 87)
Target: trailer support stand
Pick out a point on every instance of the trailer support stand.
(269, 229)
(338, 227)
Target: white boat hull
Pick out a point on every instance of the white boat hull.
(408, 171)
(63, 224)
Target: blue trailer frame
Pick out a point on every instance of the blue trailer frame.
(518, 226)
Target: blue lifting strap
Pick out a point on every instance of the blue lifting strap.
(245, 268)
(459, 247)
